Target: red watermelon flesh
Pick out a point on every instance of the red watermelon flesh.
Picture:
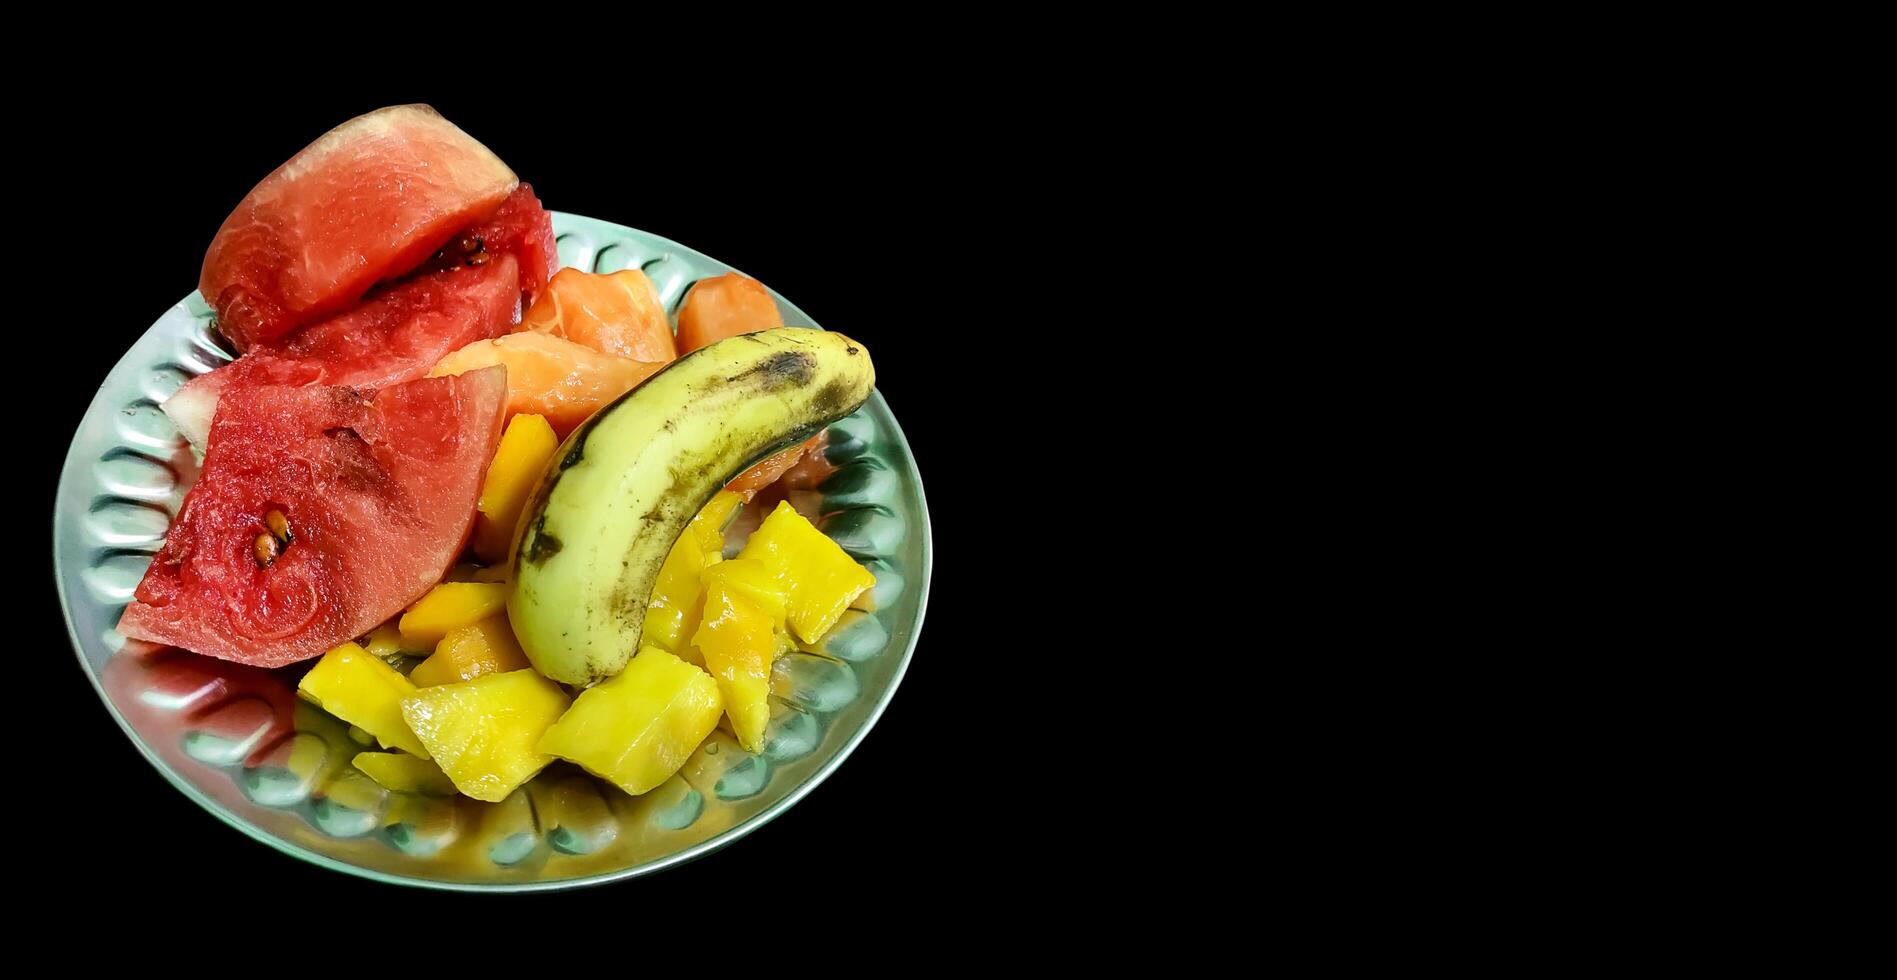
(368, 201)
(396, 335)
(521, 228)
(378, 495)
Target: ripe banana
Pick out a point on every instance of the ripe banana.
(623, 486)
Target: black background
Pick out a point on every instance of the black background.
(831, 202)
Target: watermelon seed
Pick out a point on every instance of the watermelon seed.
(268, 546)
(279, 527)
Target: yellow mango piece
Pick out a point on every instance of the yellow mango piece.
(691, 656)
(487, 647)
(384, 641)
(739, 639)
(363, 690)
(672, 615)
(483, 732)
(522, 456)
(361, 737)
(404, 773)
(638, 728)
(708, 528)
(449, 606)
(818, 577)
(753, 581)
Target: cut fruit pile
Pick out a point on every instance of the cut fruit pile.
(490, 494)
(475, 717)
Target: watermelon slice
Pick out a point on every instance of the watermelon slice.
(521, 228)
(320, 512)
(397, 335)
(368, 201)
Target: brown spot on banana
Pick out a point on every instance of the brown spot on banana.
(785, 370)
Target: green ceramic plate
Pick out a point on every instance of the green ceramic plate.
(239, 742)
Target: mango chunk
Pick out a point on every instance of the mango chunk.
(403, 773)
(487, 647)
(384, 641)
(739, 639)
(672, 615)
(638, 728)
(483, 732)
(819, 578)
(708, 528)
(363, 690)
(449, 606)
(522, 456)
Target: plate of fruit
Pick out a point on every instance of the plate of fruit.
(447, 540)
